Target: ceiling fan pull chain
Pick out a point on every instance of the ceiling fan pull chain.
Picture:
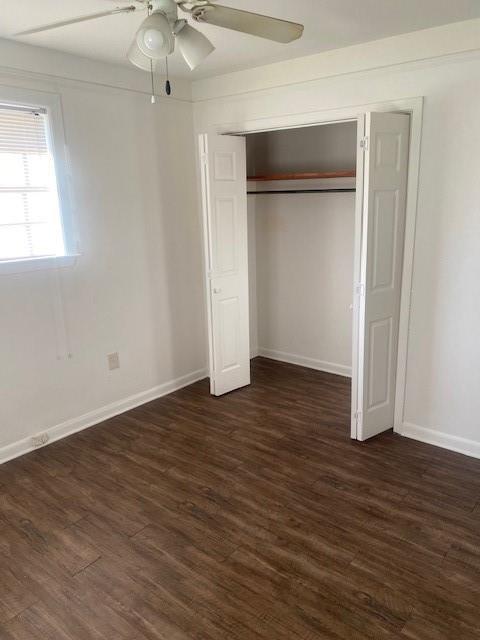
(168, 88)
(153, 98)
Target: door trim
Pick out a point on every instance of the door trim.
(414, 107)
(357, 323)
(205, 195)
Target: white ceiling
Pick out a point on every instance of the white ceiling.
(329, 24)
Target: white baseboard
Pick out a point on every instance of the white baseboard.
(440, 439)
(311, 363)
(91, 418)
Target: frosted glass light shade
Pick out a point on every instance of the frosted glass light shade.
(193, 45)
(155, 38)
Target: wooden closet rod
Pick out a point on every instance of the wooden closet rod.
(252, 193)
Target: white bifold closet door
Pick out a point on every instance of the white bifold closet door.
(386, 146)
(379, 240)
(224, 192)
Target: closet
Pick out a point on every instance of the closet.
(304, 254)
(301, 219)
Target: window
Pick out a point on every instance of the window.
(30, 218)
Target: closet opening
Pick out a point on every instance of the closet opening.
(301, 186)
(304, 237)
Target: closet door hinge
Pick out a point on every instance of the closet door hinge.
(358, 417)
(360, 289)
(364, 143)
(204, 158)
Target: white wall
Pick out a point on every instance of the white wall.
(330, 147)
(443, 375)
(301, 270)
(136, 288)
(252, 275)
(304, 278)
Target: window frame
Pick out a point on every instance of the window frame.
(51, 102)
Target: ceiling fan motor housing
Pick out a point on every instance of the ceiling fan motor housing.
(168, 7)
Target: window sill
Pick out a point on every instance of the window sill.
(37, 264)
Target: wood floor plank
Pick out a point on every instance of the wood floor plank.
(252, 516)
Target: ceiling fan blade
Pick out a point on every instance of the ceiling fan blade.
(247, 22)
(64, 23)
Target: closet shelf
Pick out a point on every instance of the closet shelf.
(303, 176)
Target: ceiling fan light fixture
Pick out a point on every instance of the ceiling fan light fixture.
(154, 37)
(193, 45)
(139, 59)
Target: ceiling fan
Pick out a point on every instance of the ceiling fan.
(162, 29)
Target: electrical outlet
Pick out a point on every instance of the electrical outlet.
(40, 440)
(113, 361)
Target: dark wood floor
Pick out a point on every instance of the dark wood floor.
(251, 516)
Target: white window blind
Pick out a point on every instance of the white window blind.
(30, 222)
